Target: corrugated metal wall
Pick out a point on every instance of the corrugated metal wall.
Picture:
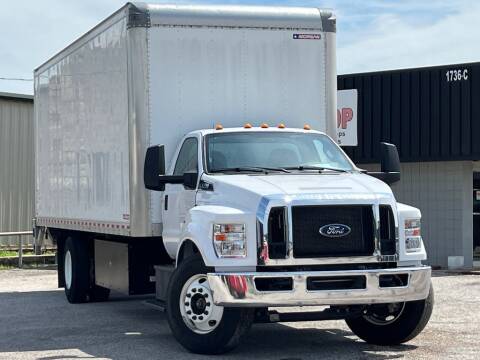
(16, 167)
(442, 190)
(431, 114)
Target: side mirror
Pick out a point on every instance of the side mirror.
(154, 167)
(154, 170)
(190, 180)
(389, 163)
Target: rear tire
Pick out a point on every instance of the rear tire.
(409, 320)
(79, 277)
(219, 330)
(99, 294)
(76, 270)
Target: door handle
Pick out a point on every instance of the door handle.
(165, 202)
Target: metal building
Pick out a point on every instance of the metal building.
(16, 165)
(433, 116)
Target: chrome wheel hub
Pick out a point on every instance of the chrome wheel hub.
(198, 311)
(384, 314)
(68, 269)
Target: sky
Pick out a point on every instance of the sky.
(372, 35)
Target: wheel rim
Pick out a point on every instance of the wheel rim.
(198, 311)
(68, 269)
(384, 314)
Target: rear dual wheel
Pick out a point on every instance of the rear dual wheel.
(79, 274)
(196, 322)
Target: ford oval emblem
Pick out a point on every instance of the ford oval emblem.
(335, 230)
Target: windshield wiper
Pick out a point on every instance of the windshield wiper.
(309, 167)
(249, 168)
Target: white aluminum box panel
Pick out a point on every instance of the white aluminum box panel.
(202, 76)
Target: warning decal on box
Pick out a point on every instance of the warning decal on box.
(307, 36)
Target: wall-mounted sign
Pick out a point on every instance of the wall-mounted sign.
(347, 117)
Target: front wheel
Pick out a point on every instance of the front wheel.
(393, 324)
(196, 322)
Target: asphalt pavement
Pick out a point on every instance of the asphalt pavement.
(36, 322)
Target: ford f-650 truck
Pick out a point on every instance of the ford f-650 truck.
(191, 152)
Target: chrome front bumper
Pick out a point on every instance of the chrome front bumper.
(239, 289)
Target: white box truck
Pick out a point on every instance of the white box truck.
(190, 152)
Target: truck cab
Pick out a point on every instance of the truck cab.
(277, 216)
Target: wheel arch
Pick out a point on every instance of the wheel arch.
(187, 248)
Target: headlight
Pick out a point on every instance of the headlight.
(229, 240)
(413, 238)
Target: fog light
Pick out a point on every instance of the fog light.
(229, 240)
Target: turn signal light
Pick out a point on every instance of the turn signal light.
(218, 127)
(220, 237)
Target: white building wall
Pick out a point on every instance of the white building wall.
(443, 193)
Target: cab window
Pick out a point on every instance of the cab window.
(187, 160)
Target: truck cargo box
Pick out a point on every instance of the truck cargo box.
(151, 73)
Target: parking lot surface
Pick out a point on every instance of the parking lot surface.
(36, 322)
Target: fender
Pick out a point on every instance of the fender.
(199, 230)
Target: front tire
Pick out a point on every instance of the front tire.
(196, 322)
(393, 324)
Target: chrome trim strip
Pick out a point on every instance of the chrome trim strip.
(325, 260)
(376, 230)
(331, 82)
(238, 289)
(289, 238)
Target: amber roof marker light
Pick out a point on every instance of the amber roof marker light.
(264, 126)
(247, 126)
(218, 127)
(281, 126)
(307, 127)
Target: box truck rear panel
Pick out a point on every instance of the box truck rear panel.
(82, 138)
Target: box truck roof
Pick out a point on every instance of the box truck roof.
(232, 16)
(141, 14)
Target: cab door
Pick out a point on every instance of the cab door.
(177, 200)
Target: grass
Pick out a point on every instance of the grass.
(6, 253)
(6, 264)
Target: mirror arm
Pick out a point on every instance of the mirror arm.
(387, 177)
(171, 179)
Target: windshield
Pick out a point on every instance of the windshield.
(273, 150)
